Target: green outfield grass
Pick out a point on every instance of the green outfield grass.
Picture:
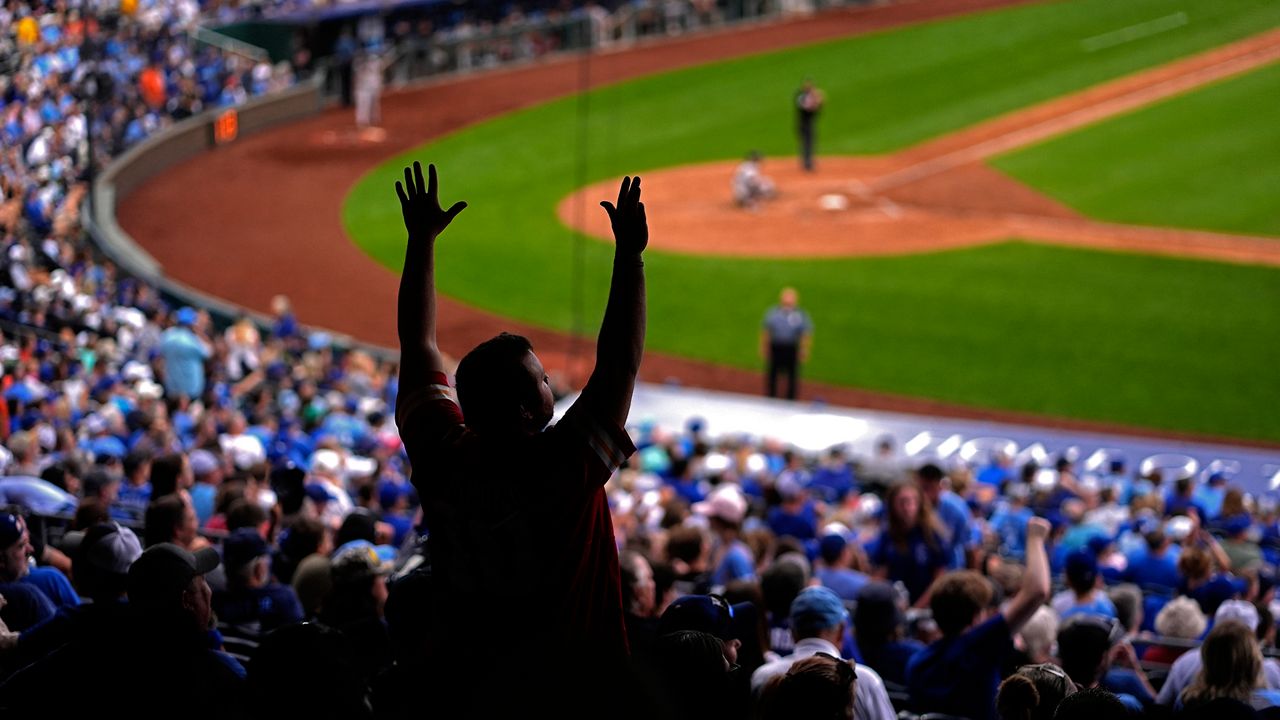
(1209, 159)
(1012, 326)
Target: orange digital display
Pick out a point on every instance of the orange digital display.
(225, 127)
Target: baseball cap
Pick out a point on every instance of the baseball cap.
(1239, 611)
(390, 492)
(164, 570)
(11, 527)
(817, 608)
(878, 607)
(203, 462)
(357, 560)
(242, 547)
(185, 316)
(1082, 568)
(1085, 629)
(830, 547)
(725, 502)
(107, 547)
(705, 613)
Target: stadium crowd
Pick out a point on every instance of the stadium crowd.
(227, 515)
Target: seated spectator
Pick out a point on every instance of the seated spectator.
(796, 516)
(301, 537)
(951, 511)
(356, 602)
(1091, 704)
(731, 558)
(1033, 692)
(1127, 599)
(879, 629)
(1243, 552)
(101, 558)
(170, 519)
(710, 614)
(166, 641)
(693, 676)
(306, 656)
(1038, 636)
(639, 600)
(1231, 668)
(835, 554)
(912, 547)
(252, 601)
(819, 687)
(1087, 645)
(960, 673)
(818, 622)
(780, 583)
(1180, 619)
(1156, 564)
(1188, 666)
(1085, 592)
(750, 186)
(28, 604)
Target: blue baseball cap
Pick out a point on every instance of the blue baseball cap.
(185, 316)
(11, 527)
(817, 608)
(706, 613)
(1082, 568)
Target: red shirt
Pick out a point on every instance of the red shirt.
(518, 527)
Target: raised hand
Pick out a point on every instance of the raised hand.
(420, 204)
(1037, 529)
(630, 228)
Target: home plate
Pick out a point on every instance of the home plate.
(833, 202)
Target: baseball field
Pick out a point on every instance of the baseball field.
(1059, 210)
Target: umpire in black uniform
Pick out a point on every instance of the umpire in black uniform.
(785, 339)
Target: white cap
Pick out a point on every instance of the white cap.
(725, 502)
(1238, 610)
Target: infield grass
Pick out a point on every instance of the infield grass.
(1066, 332)
(1209, 159)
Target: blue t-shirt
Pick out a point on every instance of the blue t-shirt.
(1145, 569)
(25, 606)
(842, 581)
(914, 564)
(203, 497)
(956, 516)
(801, 526)
(1123, 681)
(960, 675)
(832, 484)
(184, 356)
(1010, 525)
(271, 607)
(890, 659)
(54, 585)
(1100, 605)
(737, 564)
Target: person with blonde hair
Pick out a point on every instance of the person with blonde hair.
(1231, 669)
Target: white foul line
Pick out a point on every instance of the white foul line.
(1133, 32)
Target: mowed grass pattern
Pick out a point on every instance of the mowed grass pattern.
(1209, 159)
(968, 327)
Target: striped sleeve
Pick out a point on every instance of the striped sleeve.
(605, 446)
(427, 408)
